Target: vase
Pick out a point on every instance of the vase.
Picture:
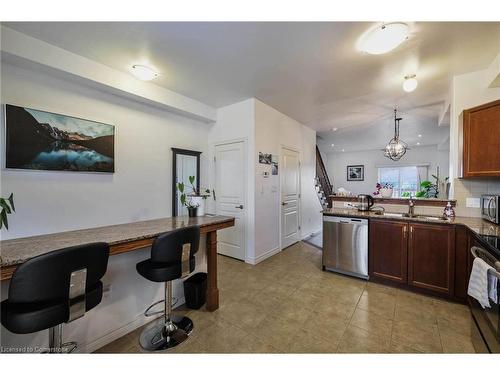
(192, 211)
(200, 202)
(386, 193)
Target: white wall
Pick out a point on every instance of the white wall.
(272, 131)
(336, 166)
(140, 189)
(467, 91)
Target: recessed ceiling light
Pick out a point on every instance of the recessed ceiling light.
(343, 150)
(334, 129)
(333, 145)
(384, 38)
(410, 83)
(418, 143)
(144, 73)
(420, 136)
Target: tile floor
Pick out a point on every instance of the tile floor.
(286, 304)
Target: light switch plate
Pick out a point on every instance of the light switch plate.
(473, 202)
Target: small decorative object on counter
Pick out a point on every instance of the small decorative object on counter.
(341, 192)
(384, 190)
(195, 199)
(449, 212)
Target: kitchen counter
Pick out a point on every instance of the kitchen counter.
(475, 224)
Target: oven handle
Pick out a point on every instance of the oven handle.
(477, 252)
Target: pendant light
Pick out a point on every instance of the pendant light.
(396, 148)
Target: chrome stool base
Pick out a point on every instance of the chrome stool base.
(160, 336)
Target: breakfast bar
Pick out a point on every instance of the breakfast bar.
(122, 238)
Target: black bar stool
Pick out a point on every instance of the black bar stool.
(55, 288)
(172, 257)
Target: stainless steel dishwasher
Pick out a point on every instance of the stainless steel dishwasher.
(345, 245)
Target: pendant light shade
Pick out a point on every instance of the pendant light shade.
(396, 148)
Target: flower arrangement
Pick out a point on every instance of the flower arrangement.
(383, 188)
(194, 199)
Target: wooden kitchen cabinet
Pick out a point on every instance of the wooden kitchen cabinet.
(388, 251)
(431, 258)
(480, 139)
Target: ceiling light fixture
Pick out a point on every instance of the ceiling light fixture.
(410, 83)
(144, 73)
(396, 148)
(420, 136)
(334, 129)
(383, 38)
(333, 145)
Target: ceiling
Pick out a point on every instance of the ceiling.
(310, 71)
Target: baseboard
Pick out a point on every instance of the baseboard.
(311, 234)
(264, 256)
(122, 331)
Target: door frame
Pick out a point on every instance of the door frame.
(213, 146)
(299, 203)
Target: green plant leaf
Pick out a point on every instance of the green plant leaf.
(3, 220)
(180, 187)
(11, 200)
(191, 179)
(420, 194)
(425, 184)
(5, 206)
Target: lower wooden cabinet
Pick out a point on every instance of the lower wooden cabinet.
(431, 257)
(388, 251)
(416, 255)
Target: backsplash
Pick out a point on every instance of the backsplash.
(469, 188)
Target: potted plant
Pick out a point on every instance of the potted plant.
(191, 206)
(384, 190)
(7, 205)
(196, 197)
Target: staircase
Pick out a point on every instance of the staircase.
(322, 182)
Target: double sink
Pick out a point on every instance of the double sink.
(406, 215)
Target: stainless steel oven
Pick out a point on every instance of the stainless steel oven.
(490, 208)
(486, 321)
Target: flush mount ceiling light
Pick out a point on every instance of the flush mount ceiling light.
(384, 38)
(144, 73)
(396, 148)
(410, 83)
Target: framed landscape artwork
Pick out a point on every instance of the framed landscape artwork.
(355, 172)
(40, 140)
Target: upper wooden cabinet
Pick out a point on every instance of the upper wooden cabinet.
(481, 141)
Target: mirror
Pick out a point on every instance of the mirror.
(185, 163)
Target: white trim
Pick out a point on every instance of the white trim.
(311, 234)
(262, 257)
(120, 332)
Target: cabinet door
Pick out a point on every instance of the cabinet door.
(388, 253)
(431, 257)
(481, 140)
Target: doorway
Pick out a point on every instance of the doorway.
(290, 197)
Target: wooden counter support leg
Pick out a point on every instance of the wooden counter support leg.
(212, 291)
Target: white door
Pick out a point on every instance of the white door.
(290, 196)
(230, 197)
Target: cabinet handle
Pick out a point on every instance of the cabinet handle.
(405, 228)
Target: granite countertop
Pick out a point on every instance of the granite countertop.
(476, 224)
(18, 250)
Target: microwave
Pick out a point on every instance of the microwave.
(489, 208)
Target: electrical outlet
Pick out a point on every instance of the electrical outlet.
(473, 202)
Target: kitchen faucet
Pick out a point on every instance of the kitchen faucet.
(411, 207)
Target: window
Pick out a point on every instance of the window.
(403, 179)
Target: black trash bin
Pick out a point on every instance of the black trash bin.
(195, 290)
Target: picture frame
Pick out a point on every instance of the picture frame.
(39, 140)
(355, 173)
